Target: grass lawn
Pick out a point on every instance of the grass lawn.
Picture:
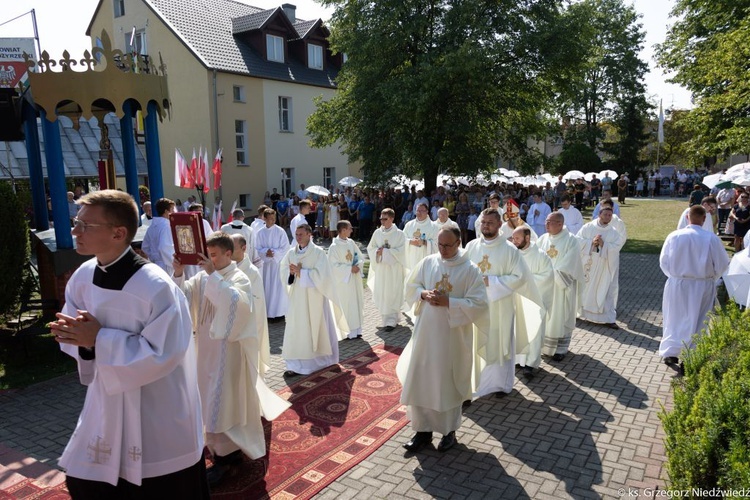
(43, 361)
(649, 221)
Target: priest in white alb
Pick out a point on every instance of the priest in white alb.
(234, 396)
(421, 237)
(238, 226)
(513, 220)
(272, 244)
(443, 219)
(346, 264)
(386, 276)
(512, 296)
(562, 249)
(435, 368)
(540, 266)
(573, 217)
(693, 259)
(537, 215)
(310, 340)
(600, 244)
(259, 301)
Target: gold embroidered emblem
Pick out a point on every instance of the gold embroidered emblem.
(417, 234)
(349, 256)
(444, 286)
(485, 265)
(552, 252)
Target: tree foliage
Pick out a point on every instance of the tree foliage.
(708, 49)
(14, 248)
(441, 86)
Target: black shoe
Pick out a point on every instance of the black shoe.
(389, 328)
(216, 474)
(466, 403)
(447, 442)
(234, 458)
(419, 441)
(671, 360)
(558, 357)
(528, 372)
(681, 369)
(613, 326)
(290, 373)
(500, 394)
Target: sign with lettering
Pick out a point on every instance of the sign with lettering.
(12, 65)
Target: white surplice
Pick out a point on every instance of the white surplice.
(540, 266)
(259, 313)
(296, 221)
(512, 297)
(273, 238)
(693, 259)
(601, 271)
(537, 221)
(684, 221)
(506, 231)
(350, 301)
(425, 230)
(157, 243)
(233, 394)
(435, 367)
(562, 249)
(239, 227)
(573, 218)
(310, 340)
(386, 276)
(143, 374)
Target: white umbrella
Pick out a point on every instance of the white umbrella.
(319, 190)
(350, 181)
(511, 173)
(588, 176)
(740, 167)
(710, 181)
(574, 174)
(737, 278)
(463, 180)
(613, 175)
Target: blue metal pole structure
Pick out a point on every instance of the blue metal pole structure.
(153, 153)
(57, 189)
(36, 174)
(128, 153)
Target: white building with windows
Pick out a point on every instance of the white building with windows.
(241, 78)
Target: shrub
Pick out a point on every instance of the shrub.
(708, 436)
(14, 248)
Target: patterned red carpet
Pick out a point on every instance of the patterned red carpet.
(338, 417)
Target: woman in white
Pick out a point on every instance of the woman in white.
(333, 215)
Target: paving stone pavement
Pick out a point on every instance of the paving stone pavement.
(582, 428)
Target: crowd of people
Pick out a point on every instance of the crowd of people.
(490, 277)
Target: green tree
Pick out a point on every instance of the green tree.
(611, 73)
(708, 49)
(630, 137)
(14, 248)
(440, 86)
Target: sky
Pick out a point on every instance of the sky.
(62, 25)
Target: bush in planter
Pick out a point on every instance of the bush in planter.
(708, 431)
(14, 248)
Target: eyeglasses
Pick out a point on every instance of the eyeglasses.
(83, 226)
(440, 245)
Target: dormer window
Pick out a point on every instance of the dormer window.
(314, 56)
(275, 48)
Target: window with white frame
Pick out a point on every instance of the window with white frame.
(136, 44)
(274, 48)
(285, 114)
(329, 176)
(119, 7)
(240, 133)
(238, 93)
(314, 56)
(287, 182)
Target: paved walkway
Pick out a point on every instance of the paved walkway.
(582, 428)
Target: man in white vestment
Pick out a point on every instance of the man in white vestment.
(562, 249)
(386, 276)
(304, 209)
(128, 327)
(421, 234)
(537, 215)
(346, 265)
(443, 220)
(541, 269)
(259, 220)
(238, 226)
(511, 291)
(513, 220)
(693, 259)
(710, 204)
(272, 244)
(435, 368)
(310, 340)
(494, 202)
(573, 217)
(233, 394)
(606, 197)
(157, 242)
(600, 244)
(259, 301)
(146, 216)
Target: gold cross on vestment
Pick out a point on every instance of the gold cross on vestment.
(99, 450)
(134, 453)
(416, 234)
(485, 265)
(349, 256)
(444, 285)
(552, 252)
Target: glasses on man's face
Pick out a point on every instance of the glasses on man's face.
(83, 226)
(447, 246)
